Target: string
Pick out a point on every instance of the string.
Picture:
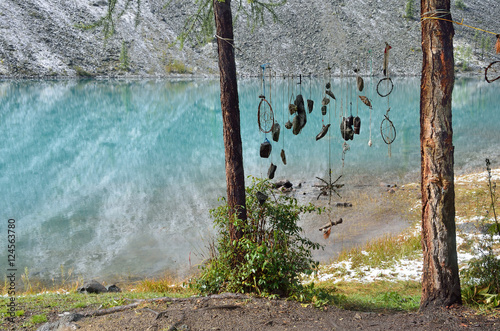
(284, 110)
(445, 13)
(230, 42)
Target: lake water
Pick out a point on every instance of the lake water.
(117, 177)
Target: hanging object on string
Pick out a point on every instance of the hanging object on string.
(276, 131)
(288, 125)
(386, 59)
(300, 120)
(350, 120)
(360, 83)
(323, 110)
(492, 69)
(330, 93)
(271, 171)
(261, 197)
(356, 124)
(325, 101)
(370, 139)
(283, 156)
(366, 101)
(265, 149)
(323, 132)
(384, 89)
(327, 228)
(265, 115)
(329, 187)
(388, 131)
(346, 129)
(497, 44)
(310, 105)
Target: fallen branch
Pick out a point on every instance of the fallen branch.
(330, 224)
(327, 228)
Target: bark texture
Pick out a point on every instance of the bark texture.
(235, 177)
(440, 280)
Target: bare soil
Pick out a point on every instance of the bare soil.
(240, 312)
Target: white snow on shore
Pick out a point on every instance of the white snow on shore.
(478, 177)
(411, 269)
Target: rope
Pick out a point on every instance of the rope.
(230, 42)
(445, 13)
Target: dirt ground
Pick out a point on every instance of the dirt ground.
(239, 312)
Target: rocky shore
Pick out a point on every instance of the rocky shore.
(48, 39)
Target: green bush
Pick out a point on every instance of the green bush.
(481, 278)
(410, 8)
(481, 281)
(460, 4)
(272, 253)
(124, 61)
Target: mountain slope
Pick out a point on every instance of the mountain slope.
(40, 38)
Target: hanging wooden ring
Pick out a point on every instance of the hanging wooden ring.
(486, 72)
(388, 131)
(389, 136)
(265, 120)
(392, 86)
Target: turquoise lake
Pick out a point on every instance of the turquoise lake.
(116, 177)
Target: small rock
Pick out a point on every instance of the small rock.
(92, 286)
(286, 183)
(113, 288)
(63, 324)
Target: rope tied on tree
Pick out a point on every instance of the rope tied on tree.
(229, 41)
(443, 13)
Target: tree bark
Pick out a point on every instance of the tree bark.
(440, 280)
(235, 177)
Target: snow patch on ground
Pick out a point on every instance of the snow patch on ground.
(478, 177)
(411, 269)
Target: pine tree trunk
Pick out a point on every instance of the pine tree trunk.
(440, 281)
(235, 178)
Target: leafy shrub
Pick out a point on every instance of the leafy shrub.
(80, 72)
(124, 60)
(177, 67)
(481, 280)
(460, 4)
(410, 8)
(482, 276)
(272, 253)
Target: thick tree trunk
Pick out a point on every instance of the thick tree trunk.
(440, 283)
(235, 177)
